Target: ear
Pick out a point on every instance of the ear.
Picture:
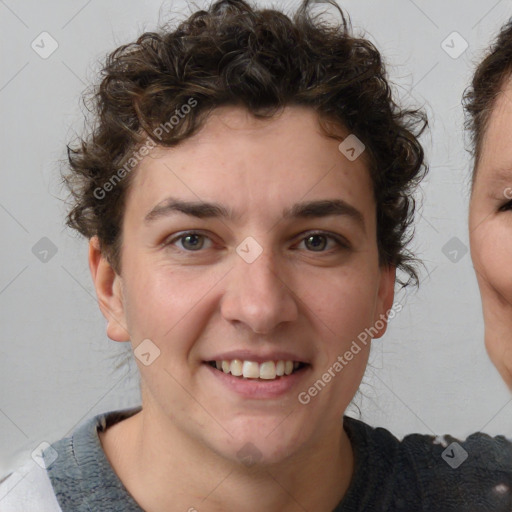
(108, 287)
(385, 297)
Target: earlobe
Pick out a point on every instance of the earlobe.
(109, 292)
(385, 299)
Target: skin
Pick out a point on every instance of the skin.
(182, 446)
(490, 224)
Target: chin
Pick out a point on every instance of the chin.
(263, 442)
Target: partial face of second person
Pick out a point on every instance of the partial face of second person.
(490, 225)
(316, 285)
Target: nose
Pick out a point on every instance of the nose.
(258, 295)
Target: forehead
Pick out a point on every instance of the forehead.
(245, 162)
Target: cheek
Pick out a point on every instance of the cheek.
(340, 311)
(165, 303)
(491, 248)
(342, 303)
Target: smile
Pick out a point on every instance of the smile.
(267, 370)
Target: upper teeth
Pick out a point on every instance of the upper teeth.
(251, 370)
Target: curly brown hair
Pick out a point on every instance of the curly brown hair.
(488, 80)
(263, 60)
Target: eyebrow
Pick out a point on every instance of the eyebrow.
(304, 210)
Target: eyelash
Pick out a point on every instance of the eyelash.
(341, 242)
(506, 207)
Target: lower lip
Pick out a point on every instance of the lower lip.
(256, 388)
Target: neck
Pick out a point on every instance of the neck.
(165, 470)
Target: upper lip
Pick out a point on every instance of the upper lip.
(250, 355)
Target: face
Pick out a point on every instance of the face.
(490, 223)
(254, 240)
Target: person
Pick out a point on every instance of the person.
(247, 191)
(489, 115)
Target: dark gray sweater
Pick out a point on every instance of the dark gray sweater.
(416, 474)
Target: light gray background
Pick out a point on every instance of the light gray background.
(429, 374)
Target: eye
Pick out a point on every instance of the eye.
(191, 241)
(318, 241)
(505, 207)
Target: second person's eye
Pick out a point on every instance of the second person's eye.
(506, 206)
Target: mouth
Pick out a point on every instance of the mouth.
(265, 371)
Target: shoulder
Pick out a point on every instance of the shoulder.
(80, 473)
(71, 474)
(384, 476)
(375, 443)
(28, 489)
(441, 473)
(474, 472)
